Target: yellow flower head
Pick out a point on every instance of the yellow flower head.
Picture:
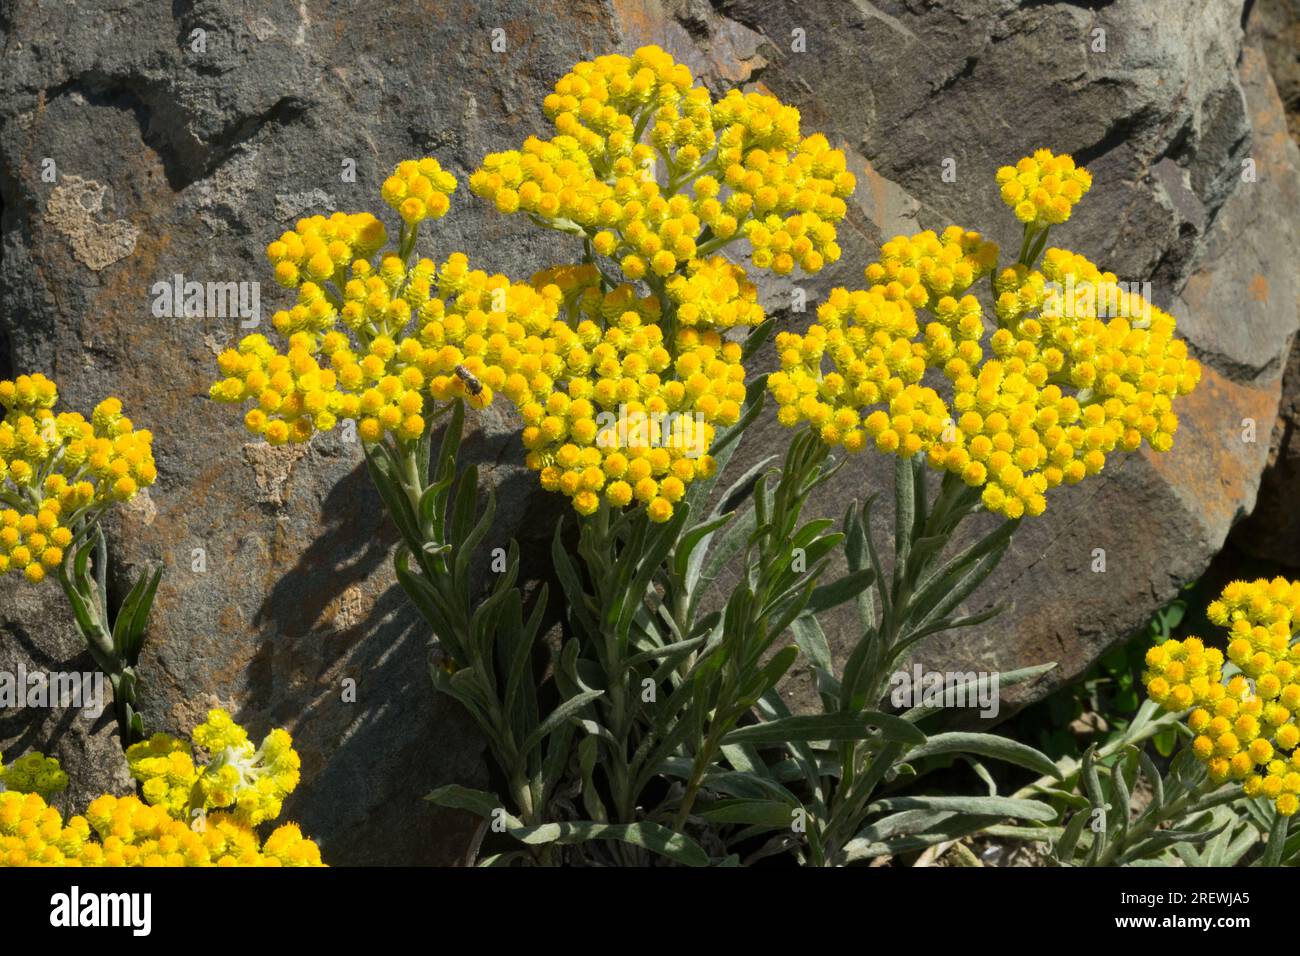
(419, 189)
(1042, 189)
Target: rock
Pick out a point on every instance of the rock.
(278, 585)
(1272, 532)
(1276, 26)
(81, 730)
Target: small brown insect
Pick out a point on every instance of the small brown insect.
(471, 382)
(442, 660)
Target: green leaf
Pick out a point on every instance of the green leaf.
(398, 506)
(904, 516)
(769, 813)
(1276, 842)
(651, 558)
(988, 745)
(479, 802)
(649, 836)
(1163, 839)
(980, 806)
(766, 678)
(811, 639)
(1070, 838)
(669, 652)
(562, 712)
(81, 608)
(837, 726)
(1092, 789)
(826, 596)
(956, 576)
(1157, 784)
(1009, 679)
(758, 337)
(133, 618)
(917, 834)
(684, 559)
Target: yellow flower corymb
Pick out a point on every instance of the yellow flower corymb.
(1078, 367)
(33, 772)
(419, 189)
(190, 816)
(1245, 727)
(250, 782)
(633, 420)
(653, 172)
(60, 472)
(1042, 189)
(419, 335)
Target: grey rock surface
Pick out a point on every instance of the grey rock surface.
(171, 161)
(1272, 532)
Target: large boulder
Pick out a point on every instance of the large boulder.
(278, 589)
(1272, 532)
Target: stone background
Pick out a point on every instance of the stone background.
(170, 161)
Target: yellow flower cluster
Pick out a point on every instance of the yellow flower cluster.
(59, 472)
(620, 393)
(1043, 188)
(619, 401)
(420, 335)
(1246, 727)
(714, 293)
(320, 249)
(1078, 367)
(419, 189)
(251, 782)
(33, 773)
(122, 831)
(926, 267)
(633, 420)
(653, 172)
(868, 338)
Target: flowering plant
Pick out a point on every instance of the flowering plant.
(658, 731)
(59, 475)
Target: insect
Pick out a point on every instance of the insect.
(472, 383)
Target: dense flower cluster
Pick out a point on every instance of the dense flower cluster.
(249, 782)
(33, 773)
(1078, 367)
(319, 249)
(634, 420)
(653, 172)
(420, 335)
(1043, 188)
(59, 472)
(620, 392)
(377, 343)
(716, 294)
(122, 831)
(189, 817)
(1246, 727)
(419, 190)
